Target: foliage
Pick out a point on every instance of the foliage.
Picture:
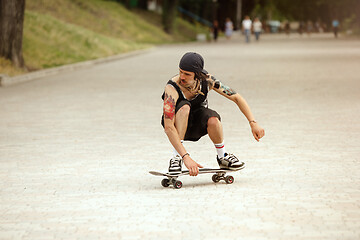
(314, 10)
(69, 43)
(183, 30)
(201, 8)
(59, 32)
(105, 17)
(6, 66)
(169, 8)
(300, 10)
(267, 11)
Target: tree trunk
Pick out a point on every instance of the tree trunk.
(238, 14)
(11, 30)
(169, 14)
(143, 4)
(357, 9)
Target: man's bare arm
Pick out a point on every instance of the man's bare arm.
(170, 99)
(224, 90)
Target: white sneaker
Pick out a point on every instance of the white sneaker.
(175, 164)
(229, 161)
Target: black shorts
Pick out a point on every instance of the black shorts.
(197, 122)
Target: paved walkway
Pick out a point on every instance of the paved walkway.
(76, 148)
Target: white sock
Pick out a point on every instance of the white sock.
(175, 153)
(220, 148)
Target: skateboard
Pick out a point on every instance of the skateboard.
(219, 174)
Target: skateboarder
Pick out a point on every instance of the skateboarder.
(186, 115)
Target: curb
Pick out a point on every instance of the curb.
(5, 80)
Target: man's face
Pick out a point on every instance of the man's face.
(186, 78)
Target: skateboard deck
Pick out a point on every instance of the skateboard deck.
(219, 174)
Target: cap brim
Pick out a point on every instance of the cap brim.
(204, 71)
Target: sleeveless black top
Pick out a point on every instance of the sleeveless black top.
(198, 101)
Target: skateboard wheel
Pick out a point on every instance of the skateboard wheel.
(178, 184)
(165, 182)
(229, 179)
(215, 178)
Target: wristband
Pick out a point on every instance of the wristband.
(185, 155)
(254, 121)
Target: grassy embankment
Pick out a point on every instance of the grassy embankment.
(61, 32)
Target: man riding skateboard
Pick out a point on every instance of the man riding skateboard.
(186, 115)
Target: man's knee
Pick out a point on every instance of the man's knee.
(184, 110)
(213, 122)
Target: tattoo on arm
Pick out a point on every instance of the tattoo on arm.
(217, 84)
(169, 107)
(227, 90)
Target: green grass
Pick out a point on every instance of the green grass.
(49, 42)
(104, 17)
(7, 68)
(184, 31)
(59, 32)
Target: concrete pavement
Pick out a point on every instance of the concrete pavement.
(76, 148)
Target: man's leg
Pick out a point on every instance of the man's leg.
(181, 120)
(215, 132)
(181, 123)
(246, 35)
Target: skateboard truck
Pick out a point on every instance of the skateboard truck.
(173, 181)
(221, 176)
(166, 182)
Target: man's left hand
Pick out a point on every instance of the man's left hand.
(257, 131)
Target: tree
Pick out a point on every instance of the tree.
(169, 14)
(143, 4)
(238, 14)
(324, 10)
(11, 30)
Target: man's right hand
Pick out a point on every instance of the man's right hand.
(191, 165)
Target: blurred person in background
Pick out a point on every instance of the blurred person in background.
(215, 30)
(287, 27)
(309, 27)
(301, 27)
(246, 27)
(229, 27)
(257, 26)
(335, 25)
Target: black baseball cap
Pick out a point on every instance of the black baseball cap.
(192, 62)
